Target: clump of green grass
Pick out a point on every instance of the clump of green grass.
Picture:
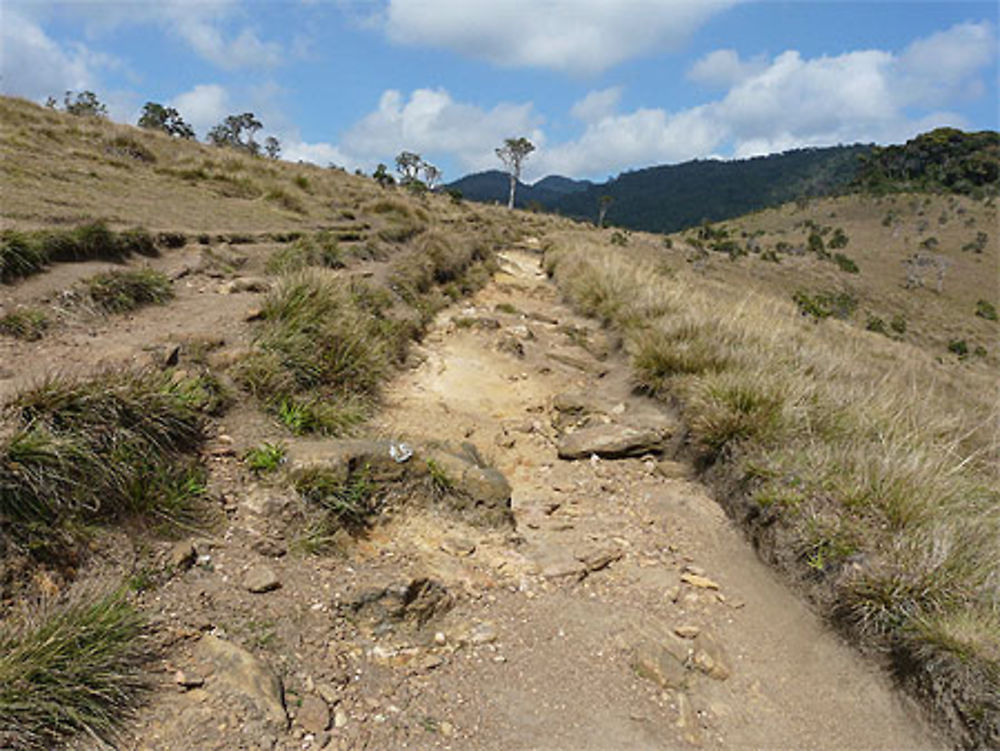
(121, 291)
(320, 249)
(27, 324)
(342, 505)
(98, 449)
(401, 220)
(265, 458)
(70, 670)
(285, 200)
(26, 253)
(321, 353)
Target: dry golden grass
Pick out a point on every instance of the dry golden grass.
(864, 466)
(882, 232)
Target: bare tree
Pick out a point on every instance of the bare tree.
(408, 166)
(603, 204)
(513, 153)
(432, 175)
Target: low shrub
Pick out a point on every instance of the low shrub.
(845, 263)
(986, 309)
(320, 249)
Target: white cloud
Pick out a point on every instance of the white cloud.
(35, 66)
(789, 102)
(323, 154)
(430, 122)
(203, 106)
(724, 68)
(947, 64)
(597, 104)
(582, 36)
(214, 29)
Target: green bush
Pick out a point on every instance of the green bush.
(845, 263)
(826, 304)
(985, 309)
(838, 240)
(959, 347)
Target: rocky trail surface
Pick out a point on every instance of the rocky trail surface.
(612, 606)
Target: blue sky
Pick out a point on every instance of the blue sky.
(600, 86)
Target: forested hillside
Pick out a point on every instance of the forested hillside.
(671, 197)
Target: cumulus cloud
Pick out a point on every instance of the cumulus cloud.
(788, 102)
(585, 36)
(203, 106)
(724, 68)
(431, 122)
(214, 30)
(597, 104)
(34, 65)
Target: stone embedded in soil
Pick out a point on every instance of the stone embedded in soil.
(246, 284)
(600, 558)
(187, 679)
(314, 715)
(268, 548)
(710, 657)
(260, 579)
(458, 546)
(673, 470)
(696, 580)
(236, 671)
(659, 665)
(687, 632)
(610, 441)
(183, 554)
(408, 606)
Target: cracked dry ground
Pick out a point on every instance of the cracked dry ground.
(620, 611)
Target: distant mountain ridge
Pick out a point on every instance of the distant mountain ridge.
(667, 198)
(671, 197)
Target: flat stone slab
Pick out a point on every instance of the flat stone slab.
(611, 441)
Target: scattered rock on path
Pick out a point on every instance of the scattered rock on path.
(314, 715)
(260, 579)
(710, 657)
(661, 666)
(696, 580)
(239, 672)
(183, 555)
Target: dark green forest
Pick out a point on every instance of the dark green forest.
(668, 198)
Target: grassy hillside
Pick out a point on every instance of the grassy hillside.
(860, 457)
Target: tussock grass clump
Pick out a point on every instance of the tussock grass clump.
(282, 198)
(320, 249)
(889, 512)
(121, 291)
(28, 324)
(402, 221)
(70, 669)
(99, 449)
(26, 253)
(321, 353)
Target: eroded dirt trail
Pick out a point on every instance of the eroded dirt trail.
(620, 611)
(627, 612)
